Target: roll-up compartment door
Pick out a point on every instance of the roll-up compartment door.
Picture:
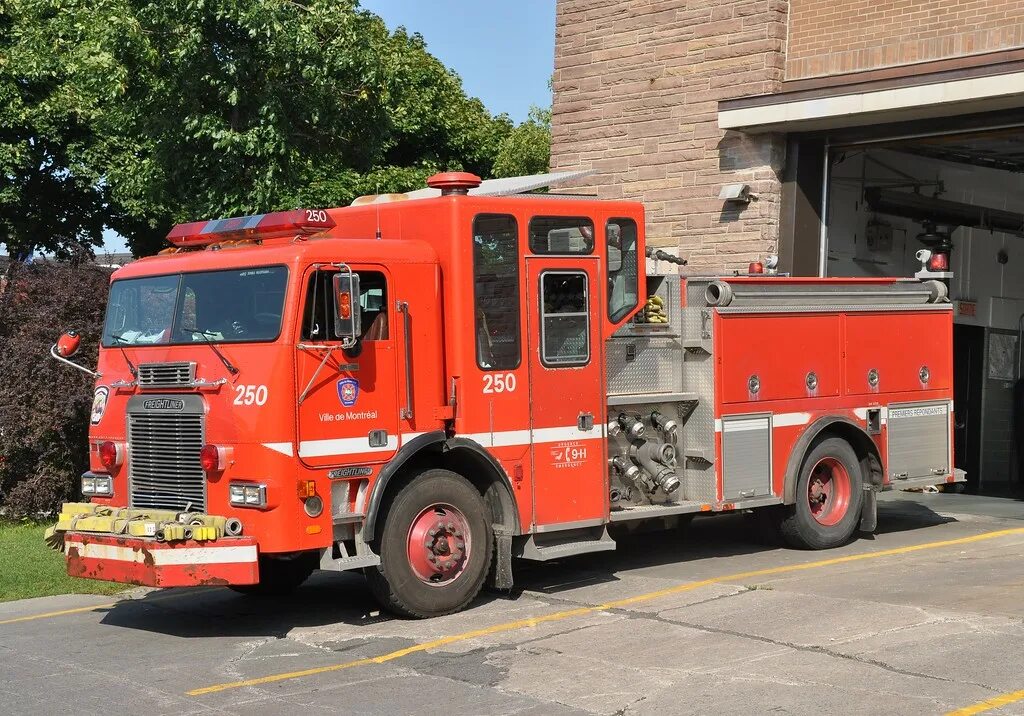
(918, 440)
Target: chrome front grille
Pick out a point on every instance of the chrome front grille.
(167, 375)
(163, 453)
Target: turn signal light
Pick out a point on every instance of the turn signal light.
(307, 488)
(111, 454)
(211, 458)
(345, 305)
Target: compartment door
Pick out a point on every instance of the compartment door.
(918, 441)
(567, 391)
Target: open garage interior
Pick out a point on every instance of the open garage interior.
(949, 207)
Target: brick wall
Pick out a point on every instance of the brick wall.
(636, 91)
(828, 37)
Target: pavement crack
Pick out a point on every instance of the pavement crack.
(810, 648)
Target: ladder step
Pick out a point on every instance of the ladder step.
(346, 563)
(531, 550)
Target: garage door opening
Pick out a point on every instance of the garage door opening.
(949, 207)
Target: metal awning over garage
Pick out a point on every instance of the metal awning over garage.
(840, 103)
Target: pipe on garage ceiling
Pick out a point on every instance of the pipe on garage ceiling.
(942, 211)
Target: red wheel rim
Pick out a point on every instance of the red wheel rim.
(438, 545)
(828, 491)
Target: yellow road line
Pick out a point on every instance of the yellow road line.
(98, 607)
(993, 703)
(582, 611)
(62, 612)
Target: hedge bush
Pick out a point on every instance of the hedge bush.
(44, 405)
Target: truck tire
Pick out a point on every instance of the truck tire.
(829, 494)
(436, 547)
(279, 577)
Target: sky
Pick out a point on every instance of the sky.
(504, 51)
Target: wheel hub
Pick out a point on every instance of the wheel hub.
(828, 491)
(439, 544)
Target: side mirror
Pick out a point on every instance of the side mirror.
(68, 344)
(347, 320)
(66, 347)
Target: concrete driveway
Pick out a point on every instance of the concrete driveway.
(924, 618)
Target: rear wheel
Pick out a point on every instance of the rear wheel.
(280, 576)
(435, 547)
(829, 495)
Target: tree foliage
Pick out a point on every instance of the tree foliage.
(135, 115)
(527, 148)
(44, 405)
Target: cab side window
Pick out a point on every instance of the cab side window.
(623, 289)
(496, 291)
(561, 235)
(318, 313)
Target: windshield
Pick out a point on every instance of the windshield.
(234, 306)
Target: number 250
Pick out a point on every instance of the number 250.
(250, 394)
(499, 382)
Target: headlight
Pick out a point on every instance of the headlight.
(247, 494)
(98, 485)
(313, 506)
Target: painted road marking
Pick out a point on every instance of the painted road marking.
(99, 607)
(62, 612)
(583, 611)
(993, 703)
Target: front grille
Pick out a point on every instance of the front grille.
(164, 470)
(167, 375)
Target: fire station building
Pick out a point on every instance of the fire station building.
(844, 136)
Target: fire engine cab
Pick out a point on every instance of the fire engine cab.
(427, 388)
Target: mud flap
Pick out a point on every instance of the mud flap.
(869, 510)
(501, 575)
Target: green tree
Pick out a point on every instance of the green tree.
(149, 113)
(527, 148)
(53, 83)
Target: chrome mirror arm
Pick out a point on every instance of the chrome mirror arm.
(62, 359)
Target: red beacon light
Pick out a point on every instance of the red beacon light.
(938, 262)
(260, 226)
(453, 183)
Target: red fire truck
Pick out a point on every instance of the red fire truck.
(425, 389)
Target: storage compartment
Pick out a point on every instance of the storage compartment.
(783, 356)
(907, 351)
(918, 441)
(746, 457)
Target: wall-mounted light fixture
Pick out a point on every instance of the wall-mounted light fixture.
(736, 193)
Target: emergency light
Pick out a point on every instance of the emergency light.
(259, 226)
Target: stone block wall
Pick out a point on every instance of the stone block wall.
(828, 37)
(636, 91)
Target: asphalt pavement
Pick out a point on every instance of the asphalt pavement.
(925, 617)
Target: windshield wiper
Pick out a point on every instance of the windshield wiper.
(206, 338)
(121, 341)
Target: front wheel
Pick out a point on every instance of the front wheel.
(829, 494)
(435, 547)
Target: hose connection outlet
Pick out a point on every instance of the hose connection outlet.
(666, 426)
(633, 426)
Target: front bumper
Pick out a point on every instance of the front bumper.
(151, 563)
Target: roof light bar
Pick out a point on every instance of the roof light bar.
(259, 226)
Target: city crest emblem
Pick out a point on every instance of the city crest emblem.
(348, 391)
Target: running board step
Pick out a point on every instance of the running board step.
(555, 545)
(346, 563)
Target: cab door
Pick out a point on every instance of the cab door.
(567, 391)
(348, 404)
